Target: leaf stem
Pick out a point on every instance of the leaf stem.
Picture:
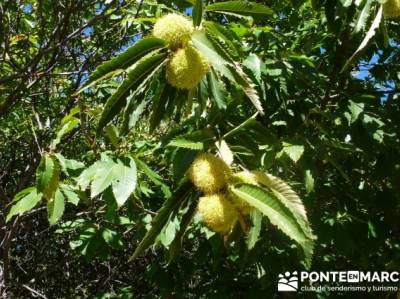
(241, 126)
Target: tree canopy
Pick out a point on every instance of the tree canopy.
(196, 148)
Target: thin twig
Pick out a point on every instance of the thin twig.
(36, 139)
(6, 249)
(143, 208)
(34, 291)
(138, 9)
(242, 125)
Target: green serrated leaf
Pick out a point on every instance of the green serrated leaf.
(281, 213)
(23, 193)
(105, 173)
(226, 65)
(216, 89)
(309, 181)
(168, 233)
(184, 143)
(136, 79)
(270, 206)
(240, 8)
(289, 197)
(154, 177)
(205, 46)
(224, 151)
(68, 164)
(24, 201)
(87, 175)
(70, 194)
(112, 135)
(225, 36)
(254, 231)
(355, 110)
(102, 178)
(248, 87)
(292, 150)
(285, 194)
(132, 112)
(363, 17)
(161, 219)
(254, 63)
(65, 129)
(47, 176)
(164, 94)
(55, 207)
(124, 181)
(368, 37)
(197, 13)
(125, 59)
(134, 117)
(176, 244)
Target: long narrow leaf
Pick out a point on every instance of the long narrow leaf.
(55, 207)
(254, 232)
(197, 13)
(370, 34)
(134, 109)
(183, 143)
(48, 176)
(176, 244)
(239, 76)
(216, 89)
(125, 59)
(225, 36)
(135, 79)
(363, 17)
(279, 215)
(205, 46)
(166, 94)
(240, 8)
(288, 197)
(154, 177)
(161, 219)
(282, 187)
(271, 207)
(248, 87)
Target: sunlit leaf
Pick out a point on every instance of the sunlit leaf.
(241, 8)
(25, 201)
(48, 176)
(55, 207)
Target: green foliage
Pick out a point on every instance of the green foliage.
(136, 80)
(48, 176)
(120, 175)
(161, 219)
(124, 60)
(55, 207)
(278, 213)
(304, 93)
(198, 12)
(369, 35)
(69, 194)
(68, 123)
(24, 201)
(240, 8)
(255, 230)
